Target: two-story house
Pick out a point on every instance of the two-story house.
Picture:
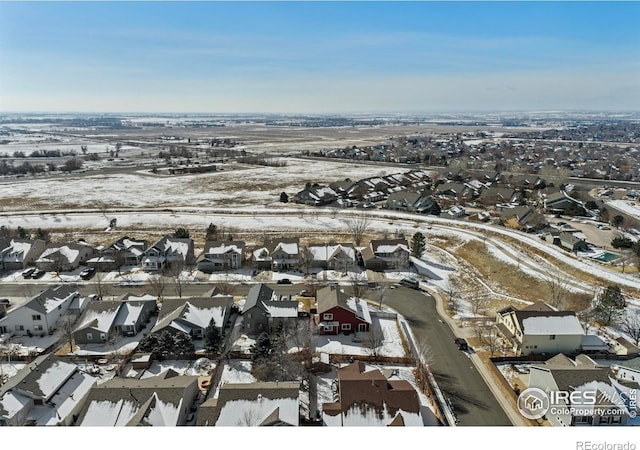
(340, 257)
(167, 252)
(19, 253)
(263, 310)
(540, 328)
(123, 252)
(340, 313)
(220, 256)
(277, 254)
(39, 316)
(384, 254)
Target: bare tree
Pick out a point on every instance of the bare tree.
(157, 285)
(65, 323)
(383, 287)
(478, 304)
(631, 325)
(452, 289)
(358, 284)
(374, 341)
(306, 259)
(100, 286)
(177, 277)
(358, 227)
(491, 338)
(558, 290)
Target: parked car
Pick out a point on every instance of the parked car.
(27, 273)
(38, 273)
(462, 344)
(408, 282)
(5, 302)
(86, 274)
(284, 281)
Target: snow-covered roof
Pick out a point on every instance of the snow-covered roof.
(161, 414)
(258, 252)
(70, 254)
(16, 251)
(177, 247)
(290, 248)
(103, 319)
(391, 248)
(13, 402)
(67, 398)
(360, 308)
(254, 413)
(129, 313)
(280, 311)
(560, 325)
(368, 416)
(108, 413)
(324, 252)
(54, 377)
(222, 248)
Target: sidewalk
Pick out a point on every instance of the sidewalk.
(496, 387)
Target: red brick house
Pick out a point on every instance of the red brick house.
(339, 313)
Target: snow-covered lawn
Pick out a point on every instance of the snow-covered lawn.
(356, 344)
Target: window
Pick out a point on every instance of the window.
(583, 419)
(89, 336)
(19, 327)
(346, 326)
(616, 419)
(552, 337)
(103, 336)
(327, 316)
(37, 328)
(36, 317)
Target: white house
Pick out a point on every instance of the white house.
(39, 316)
(540, 328)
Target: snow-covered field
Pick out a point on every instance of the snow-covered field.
(254, 186)
(629, 207)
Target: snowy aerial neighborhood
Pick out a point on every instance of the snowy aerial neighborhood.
(250, 271)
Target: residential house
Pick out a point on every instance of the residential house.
(263, 310)
(19, 253)
(259, 404)
(562, 203)
(340, 313)
(316, 195)
(413, 202)
(572, 242)
(193, 315)
(221, 256)
(277, 254)
(341, 257)
(123, 252)
(168, 252)
(522, 218)
(383, 254)
(64, 258)
(47, 391)
(456, 212)
(104, 320)
(369, 398)
(594, 397)
(540, 328)
(39, 316)
(526, 181)
(498, 195)
(161, 400)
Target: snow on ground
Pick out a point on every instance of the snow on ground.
(158, 367)
(257, 185)
(629, 207)
(236, 371)
(356, 344)
(9, 369)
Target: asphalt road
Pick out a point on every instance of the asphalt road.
(472, 401)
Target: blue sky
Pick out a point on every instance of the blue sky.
(319, 57)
